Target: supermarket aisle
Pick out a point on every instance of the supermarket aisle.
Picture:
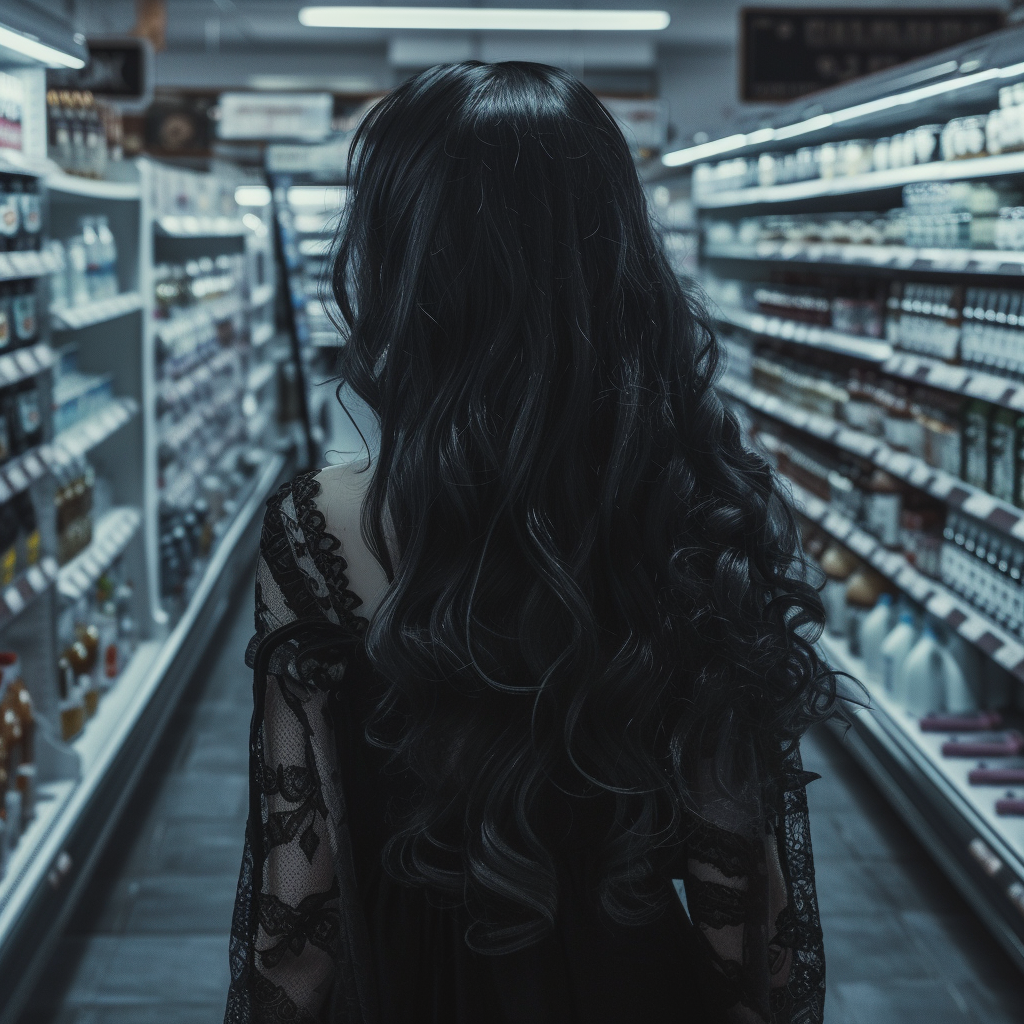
(901, 946)
(149, 944)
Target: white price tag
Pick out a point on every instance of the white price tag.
(901, 463)
(17, 478)
(987, 387)
(36, 578)
(941, 604)
(980, 504)
(862, 543)
(13, 600)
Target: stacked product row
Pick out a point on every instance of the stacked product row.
(934, 215)
(958, 139)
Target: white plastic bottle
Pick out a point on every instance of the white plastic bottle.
(958, 688)
(873, 630)
(895, 649)
(919, 686)
(93, 258)
(107, 246)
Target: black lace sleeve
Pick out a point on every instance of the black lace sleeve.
(750, 891)
(299, 950)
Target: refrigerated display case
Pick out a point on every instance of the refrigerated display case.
(138, 445)
(862, 251)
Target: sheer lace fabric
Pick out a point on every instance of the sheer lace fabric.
(300, 944)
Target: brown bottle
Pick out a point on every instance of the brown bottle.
(838, 564)
(70, 706)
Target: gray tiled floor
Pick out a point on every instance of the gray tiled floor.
(149, 944)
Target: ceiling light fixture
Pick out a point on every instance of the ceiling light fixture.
(252, 195)
(483, 19)
(732, 143)
(48, 55)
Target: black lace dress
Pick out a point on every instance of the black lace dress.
(322, 933)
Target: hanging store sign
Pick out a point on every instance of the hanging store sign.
(786, 53)
(261, 115)
(119, 69)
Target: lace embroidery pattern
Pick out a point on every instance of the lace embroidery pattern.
(299, 951)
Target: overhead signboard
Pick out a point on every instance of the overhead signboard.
(119, 69)
(262, 115)
(786, 53)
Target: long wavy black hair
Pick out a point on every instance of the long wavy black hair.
(593, 582)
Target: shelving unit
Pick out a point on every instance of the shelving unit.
(858, 184)
(982, 850)
(957, 380)
(143, 422)
(954, 492)
(888, 258)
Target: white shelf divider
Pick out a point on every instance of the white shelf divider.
(98, 312)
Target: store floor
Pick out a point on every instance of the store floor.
(148, 945)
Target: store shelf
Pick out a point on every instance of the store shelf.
(869, 349)
(198, 319)
(90, 188)
(76, 317)
(55, 861)
(111, 535)
(15, 265)
(179, 491)
(200, 227)
(25, 362)
(955, 492)
(990, 639)
(27, 586)
(986, 262)
(981, 852)
(938, 170)
(52, 798)
(261, 295)
(958, 380)
(20, 472)
(94, 429)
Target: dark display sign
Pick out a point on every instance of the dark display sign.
(789, 52)
(117, 70)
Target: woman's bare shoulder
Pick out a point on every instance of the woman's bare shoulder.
(342, 490)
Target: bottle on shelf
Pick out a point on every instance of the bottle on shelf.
(863, 590)
(838, 564)
(895, 649)
(874, 628)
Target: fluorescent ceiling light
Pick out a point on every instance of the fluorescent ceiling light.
(252, 195)
(324, 197)
(694, 154)
(47, 55)
(483, 19)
